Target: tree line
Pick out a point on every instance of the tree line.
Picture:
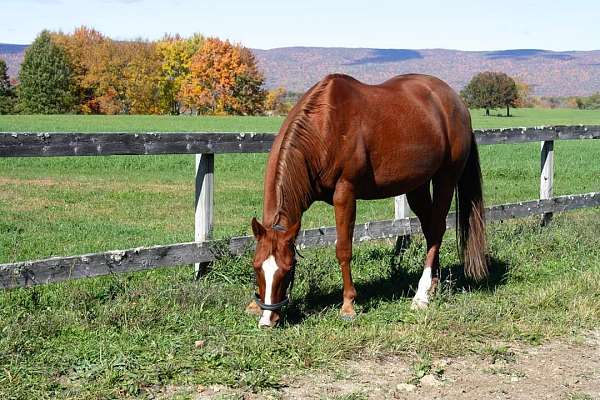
(86, 72)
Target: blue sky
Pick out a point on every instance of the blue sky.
(415, 24)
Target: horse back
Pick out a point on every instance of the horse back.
(392, 137)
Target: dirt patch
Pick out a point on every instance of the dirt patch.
(556, 370)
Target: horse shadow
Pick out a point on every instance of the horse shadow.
(399, 284)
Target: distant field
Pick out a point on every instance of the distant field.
(132, 335)
(153, 123)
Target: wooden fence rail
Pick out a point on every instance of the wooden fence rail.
(28, 273)
(205, 145)
(17, 144)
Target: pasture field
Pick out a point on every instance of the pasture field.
(134, 334)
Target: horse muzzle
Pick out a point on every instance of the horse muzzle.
(271, 313)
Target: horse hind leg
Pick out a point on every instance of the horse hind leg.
(443, 190)
(420, 203)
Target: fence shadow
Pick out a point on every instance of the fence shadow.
(399, 284)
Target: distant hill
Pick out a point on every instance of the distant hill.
(13, 55)
(550, 73)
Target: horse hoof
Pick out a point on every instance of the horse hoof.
(348, 315)
(419, 304)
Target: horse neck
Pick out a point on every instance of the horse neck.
(296, 163)
(282, 211)
(285, 200)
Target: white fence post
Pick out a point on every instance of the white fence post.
(401, 211)
(205, 165)
(401, 208)
(547, 175)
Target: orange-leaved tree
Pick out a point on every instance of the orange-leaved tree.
(83, 49)
(223, 79)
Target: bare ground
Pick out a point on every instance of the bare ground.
(556, 370)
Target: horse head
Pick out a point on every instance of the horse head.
(274, 264)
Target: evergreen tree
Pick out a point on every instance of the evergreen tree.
(46, 82)
(7, 92)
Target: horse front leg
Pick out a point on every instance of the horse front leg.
(344, 203)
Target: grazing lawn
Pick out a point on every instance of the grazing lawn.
(129, 334)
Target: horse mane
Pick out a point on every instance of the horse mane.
(301, 156)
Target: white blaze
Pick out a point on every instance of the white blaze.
(269, 268)
(422, 295)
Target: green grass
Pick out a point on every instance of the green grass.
(123, 335)
(152, 123)
(535, 117)
(136, 123)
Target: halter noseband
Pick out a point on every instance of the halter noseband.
(271, 307)
(284, 302)
(287, 300)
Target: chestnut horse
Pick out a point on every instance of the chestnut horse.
(345, 140)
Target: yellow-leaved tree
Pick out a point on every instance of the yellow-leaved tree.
(141, 74)
(175, 54)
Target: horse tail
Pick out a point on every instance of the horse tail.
(470, 215)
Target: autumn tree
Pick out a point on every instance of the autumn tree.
(7, 91)
(223, 79)
(175, 54)
(46, 81)
(275, 102)
(141, 76)
(588, 103)
(248, 93)
(83, 48)
(491, 90)
(523, 95)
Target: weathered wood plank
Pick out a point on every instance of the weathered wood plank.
(16, 144)
(535, 134)
(58, 269)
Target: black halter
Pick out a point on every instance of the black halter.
(284, 302)
(288, 299)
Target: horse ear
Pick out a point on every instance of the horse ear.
(258, 230)
(292, 232)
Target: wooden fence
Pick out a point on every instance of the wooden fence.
(205, 146)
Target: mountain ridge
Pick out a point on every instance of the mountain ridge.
(549, 73)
